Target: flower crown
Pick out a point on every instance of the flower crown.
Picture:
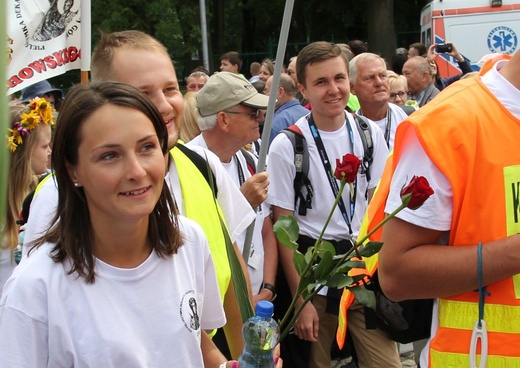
(39, 111)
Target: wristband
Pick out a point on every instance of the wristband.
(271, 288)
(223, 365)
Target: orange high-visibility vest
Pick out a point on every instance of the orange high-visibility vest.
(479, 156)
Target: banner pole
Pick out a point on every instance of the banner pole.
(282, 44)
(4, 120)
(86, 41)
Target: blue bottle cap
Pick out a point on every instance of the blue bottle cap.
(264, 309)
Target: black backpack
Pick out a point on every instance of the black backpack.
(303, 201)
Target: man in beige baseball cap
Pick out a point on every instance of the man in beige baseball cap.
(230, 114)
(224, 90)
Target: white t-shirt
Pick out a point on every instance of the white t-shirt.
(7, 265)
(397, 115)
(256, 255)
(235, 208)
(148, 316)
(436, 213)
(337, 144)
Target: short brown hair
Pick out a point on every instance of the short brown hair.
(233, 57)
(103, 56)
(314, 53)
(420, 47)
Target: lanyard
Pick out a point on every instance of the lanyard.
(241, 178)
(387, 128)
(388, 125)
(328, 169)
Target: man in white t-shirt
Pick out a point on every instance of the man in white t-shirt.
(461, 247)
(369, 82)
(322, 71)
(137, 59)
(229, 110)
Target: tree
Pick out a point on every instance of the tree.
(381, 34)
(252, 27)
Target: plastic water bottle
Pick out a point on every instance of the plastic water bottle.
(261, 334)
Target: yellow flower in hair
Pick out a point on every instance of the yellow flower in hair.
(43, 109)
(40, 110)
(16, 138)
(30, 120)
(11, 140)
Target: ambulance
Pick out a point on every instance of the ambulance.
(475, 27)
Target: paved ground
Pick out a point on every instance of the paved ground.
(407, 360)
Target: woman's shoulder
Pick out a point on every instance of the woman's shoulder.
(32, 281)
(191, 231)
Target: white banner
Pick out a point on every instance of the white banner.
(43, 40)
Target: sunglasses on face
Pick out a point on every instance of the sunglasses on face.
(253, 114)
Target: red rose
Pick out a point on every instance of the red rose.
(348, 168)
(416, 193)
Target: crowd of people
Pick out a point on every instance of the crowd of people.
(119, 244)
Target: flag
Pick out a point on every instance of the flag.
(43, 40)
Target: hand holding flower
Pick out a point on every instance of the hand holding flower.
(321, 266)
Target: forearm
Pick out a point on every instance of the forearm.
(412, 265)
(286, 256)
(210, 353)
(464, 66)
(270, 252)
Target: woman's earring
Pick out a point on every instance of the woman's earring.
(76, 185)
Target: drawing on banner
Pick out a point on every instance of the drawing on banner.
(55, 20)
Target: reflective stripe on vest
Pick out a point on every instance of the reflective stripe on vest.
(40, 184)
(202, 207)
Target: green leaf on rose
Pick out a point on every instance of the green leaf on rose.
(306, 285)
(364, 296)
(309, 254)
(348, 265)
(370, 248)
(325, 247)
(299, 262)
(324, 267)
(339, 281)
(287, 231)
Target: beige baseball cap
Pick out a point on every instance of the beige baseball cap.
(224, 90)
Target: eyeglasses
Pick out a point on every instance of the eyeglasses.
(401, 94)
(254, 114)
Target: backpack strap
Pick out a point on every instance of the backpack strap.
(301, 163)
(202, 165)
(368, 145)
(251, 165)
(26, 205)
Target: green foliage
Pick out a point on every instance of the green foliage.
(369, 249)
(324, 267)
(287, 231)
(364, 296)
(251, 27)
(299, 262)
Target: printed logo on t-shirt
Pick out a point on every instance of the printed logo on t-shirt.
(189, 312)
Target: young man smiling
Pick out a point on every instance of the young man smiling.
(330, 133)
